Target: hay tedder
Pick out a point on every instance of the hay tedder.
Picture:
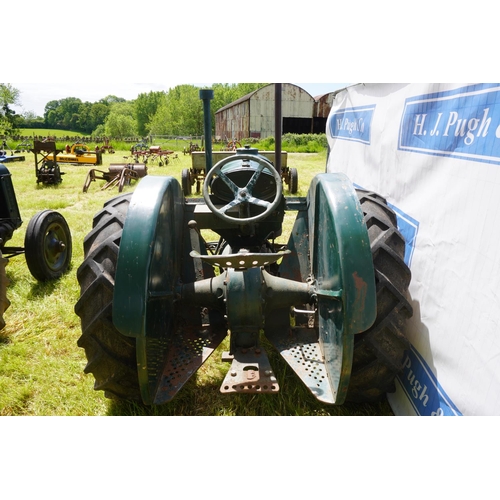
(157, 299)
(152, 154)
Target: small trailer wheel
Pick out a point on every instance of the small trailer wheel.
(48, 245)
(294, 181)
(186, 182)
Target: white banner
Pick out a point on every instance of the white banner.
(433, 150)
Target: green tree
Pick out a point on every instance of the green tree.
(84, 117)
(8, 119)
(70, 111)
(73, 114)
(120, 121)
(146, 106)
(51, 113)
(160, 123)
(98, 114)
(181, 113)
(63, 113)
(91, 115)
(186, 110)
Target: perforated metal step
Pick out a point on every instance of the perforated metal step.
(302, 351)
(186, 353)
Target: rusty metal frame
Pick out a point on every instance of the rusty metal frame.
(120, 179)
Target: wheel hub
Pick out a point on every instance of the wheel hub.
(54, 248)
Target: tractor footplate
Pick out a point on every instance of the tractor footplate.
(250, 373)
(186, 355)
(302, 351)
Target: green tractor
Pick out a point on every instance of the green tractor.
(157, 299)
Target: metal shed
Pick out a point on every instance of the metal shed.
(253, 114)
(322, 107)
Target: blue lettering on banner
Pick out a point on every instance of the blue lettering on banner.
(462, 123)
(352, 124)
(422, 389)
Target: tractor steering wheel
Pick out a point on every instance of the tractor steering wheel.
(243, 195)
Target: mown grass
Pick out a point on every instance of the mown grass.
(41, 367)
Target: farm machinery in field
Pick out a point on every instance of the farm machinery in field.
(24, 146)
(118, 174)
(5, 158)
(194, 177)
(152, 154)
(47, 242)
(47, 169)
(107, 146)
(79, 154)
(157, 298)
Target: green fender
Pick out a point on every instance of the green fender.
(331, 250)
(147, 273)
(342, 265)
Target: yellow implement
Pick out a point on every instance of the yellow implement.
(79, 153)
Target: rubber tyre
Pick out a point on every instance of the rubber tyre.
(57, 179)
(46, 261)
(379, 352)
(111, 356)
(186, 182)
(4, 282)
(294, 181)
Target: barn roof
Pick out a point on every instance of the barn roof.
(247, 97)
(238, 101)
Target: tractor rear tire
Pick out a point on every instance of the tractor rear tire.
(111, 356)
(4, 301)
(379, 351)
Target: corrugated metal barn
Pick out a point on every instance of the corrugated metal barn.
(253, 114)
(322, 107)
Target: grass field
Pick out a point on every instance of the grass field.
(41, 367)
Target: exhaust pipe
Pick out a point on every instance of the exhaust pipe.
(206, 95)
(278, 127)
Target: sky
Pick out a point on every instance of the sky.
(34, 96)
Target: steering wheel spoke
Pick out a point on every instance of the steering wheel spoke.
(227, 181)
(230, 205)
(255, 178)
(260, 203)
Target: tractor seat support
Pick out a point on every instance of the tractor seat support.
(242, 260)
